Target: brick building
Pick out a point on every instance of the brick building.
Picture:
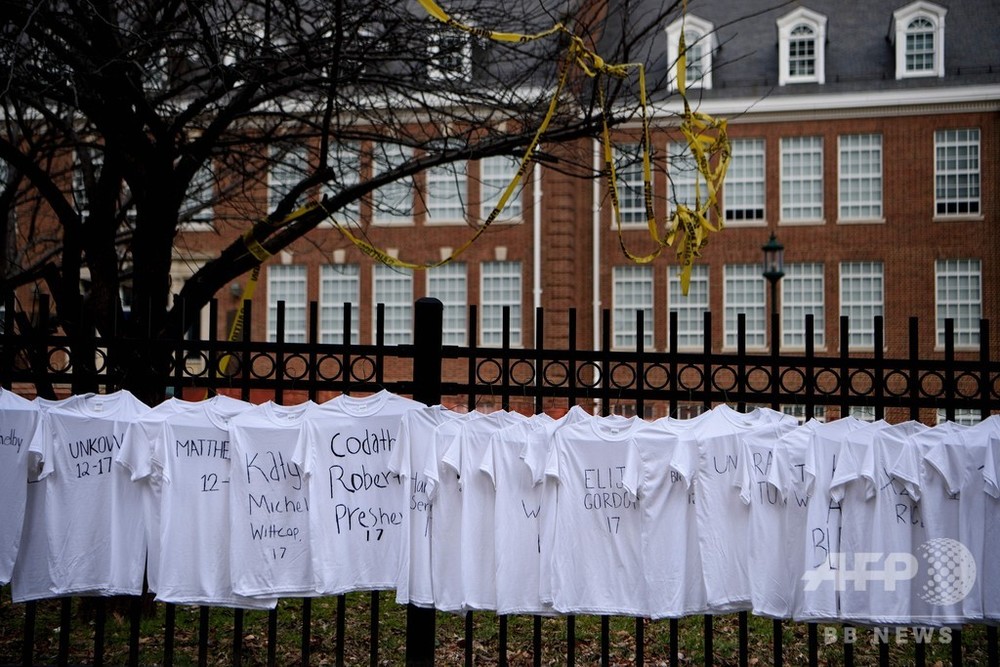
(866, 142)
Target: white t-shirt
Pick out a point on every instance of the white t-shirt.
(990, 576)
(464, 456)
(136, 455)
(93, 512)
(20, 419)
(804, 463)
(722, 518)
(31, 579)
(876, 534)
(444, 492)
(270, 542)
(671, 556)
(413, 446)
(772, 547)
(190, 453)
(517, 517)
(597, 566)
(357, 503)
(535, 454)
(939, 465)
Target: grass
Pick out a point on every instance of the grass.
(450, 637)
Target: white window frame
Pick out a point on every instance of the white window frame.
(456, 43)
(865, 413)
(397, 286)
(634, 282)
(701, 43)
(962, 148)
(798, 410)
(501, 284)
(288, 165)
(958, 294)
(288, 283)
(861, 312)
(963, 416)
(744, 291)
(631, 190)
(788, 26)
(339, 283)
(744, 195)
(690, 309)
(446, 195)
(344, 161)
(495, 174)
(449, 283)
(803, 293)
(199, 201)
(802, 180)
(902, 21)
(859, 165)
(682, 176)
(392, 204)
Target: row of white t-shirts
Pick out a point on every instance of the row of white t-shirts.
(238, 505)
(725, 512)
(218, 493)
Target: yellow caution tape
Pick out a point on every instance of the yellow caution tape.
(705, 136)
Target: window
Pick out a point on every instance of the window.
(959, 298)
(339, 284)
(632, 290)
(860, 184)
(743, 292)
(690, 309)
(344, 160)
(801, 47)
(495, 174)
(501, 286)
(289, 166)
(917, 34)
(287, 282)
(802, 179)
(956, 172)
(861, 298)
(450, 54)
(699, 40)
(798, 411)
(446, 193)
(448, 284)
(865, 413)
(743, 197)
(394, 289)
(81, 199)
(197, 210)
(963, 416)
(393, 202)
(801, 295)
(631, 190)
(682, 173)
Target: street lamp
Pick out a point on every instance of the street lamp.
(774, 268)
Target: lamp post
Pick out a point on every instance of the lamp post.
(774, 269)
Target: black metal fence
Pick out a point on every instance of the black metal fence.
(532, 379)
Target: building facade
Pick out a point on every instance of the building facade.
(866, 142)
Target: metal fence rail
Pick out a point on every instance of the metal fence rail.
(36, 357)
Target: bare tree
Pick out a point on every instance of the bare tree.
(113, 109)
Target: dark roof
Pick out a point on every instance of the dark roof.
(859, 53)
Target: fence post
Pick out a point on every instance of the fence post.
(427, 335)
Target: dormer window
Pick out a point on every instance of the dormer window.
(802, 47)
(918, 37)
(699, 41)
(450, 53)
